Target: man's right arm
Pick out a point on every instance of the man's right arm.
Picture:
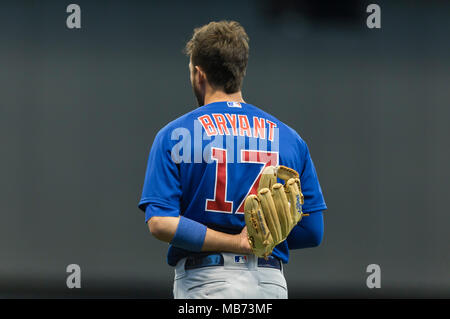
(308, 232)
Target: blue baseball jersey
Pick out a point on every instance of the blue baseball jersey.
(205, 163)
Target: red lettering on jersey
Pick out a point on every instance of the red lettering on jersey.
(233, 122)
(244, 126)
(219, 204)
(221, 124)
(208, 124)
(259, 127)
(271, 129)
(257, 157)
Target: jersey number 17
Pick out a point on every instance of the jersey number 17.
(220, 204)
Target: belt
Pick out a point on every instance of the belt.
(194, 262)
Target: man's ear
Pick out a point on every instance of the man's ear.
(201, 74)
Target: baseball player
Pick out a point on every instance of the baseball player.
(230, 187)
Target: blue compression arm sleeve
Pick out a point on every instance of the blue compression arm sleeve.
(308, 233)
(189, 235)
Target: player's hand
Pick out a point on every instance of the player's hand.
(243, 243)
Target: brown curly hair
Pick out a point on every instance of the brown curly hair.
(221, 50)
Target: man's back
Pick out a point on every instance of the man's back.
(213, 158)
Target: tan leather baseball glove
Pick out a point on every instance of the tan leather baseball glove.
(271, 215)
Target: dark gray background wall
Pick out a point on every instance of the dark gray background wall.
(80, 109)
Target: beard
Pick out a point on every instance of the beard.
(198, 95)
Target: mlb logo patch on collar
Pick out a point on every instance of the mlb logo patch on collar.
(240, 259)
(234, 104)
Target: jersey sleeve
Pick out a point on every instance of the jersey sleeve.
(161, 192)
(307, 233)
(311, 189)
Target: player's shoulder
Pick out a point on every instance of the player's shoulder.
(182, 125)
(286, 130)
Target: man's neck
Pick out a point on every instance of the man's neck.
(220, 96)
